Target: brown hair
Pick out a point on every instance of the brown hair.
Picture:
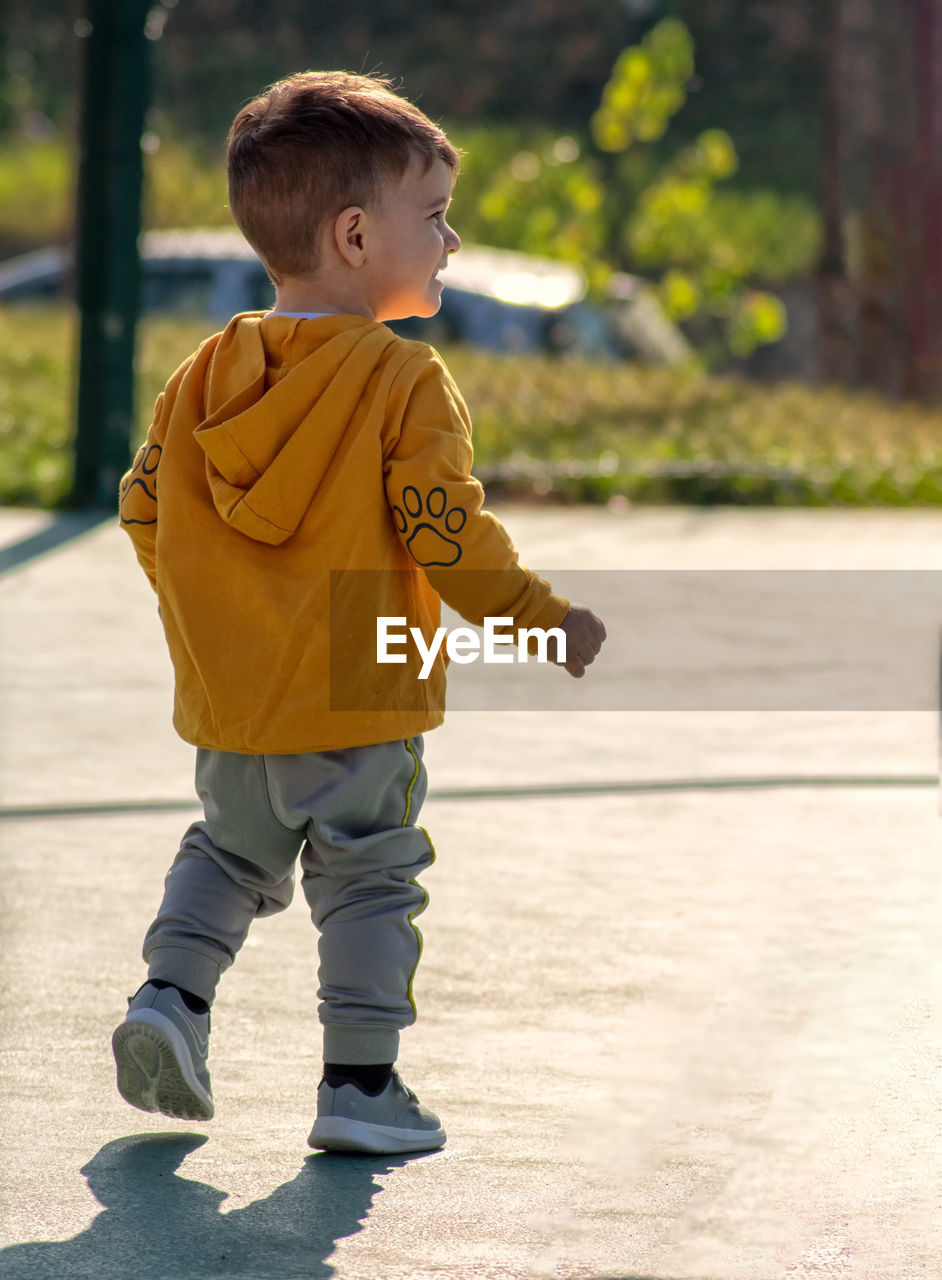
(311, 146)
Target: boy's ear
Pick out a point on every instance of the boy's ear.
(349, 235)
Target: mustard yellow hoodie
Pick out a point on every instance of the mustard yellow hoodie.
(301, 479)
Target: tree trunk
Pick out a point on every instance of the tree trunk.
(833, 284)
(919, 210)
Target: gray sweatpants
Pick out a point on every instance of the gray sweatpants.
(350, 815)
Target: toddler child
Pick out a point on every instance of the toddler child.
(307, 473)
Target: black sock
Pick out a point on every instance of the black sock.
(371, 1078)
(195, 1004)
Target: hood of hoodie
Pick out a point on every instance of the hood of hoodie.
(278, 394)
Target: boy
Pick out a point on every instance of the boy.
(308, 473)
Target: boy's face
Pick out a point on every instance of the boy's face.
(409, 242)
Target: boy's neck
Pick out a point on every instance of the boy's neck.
(317, 296)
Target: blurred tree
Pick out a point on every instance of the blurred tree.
(615, 208)
(917, 187)
(39, 66)
(758, 77)
(880, 278)
(532, 62)
(832, 273)
(471, 61)
(539, 65)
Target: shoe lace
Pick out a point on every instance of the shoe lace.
(405, 1088)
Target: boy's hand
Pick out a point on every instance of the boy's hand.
(584, 635)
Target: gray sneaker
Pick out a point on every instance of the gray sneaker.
(391, 1123)
(160, 1050)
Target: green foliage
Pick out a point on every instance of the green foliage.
(37, 185)
(647, 86)
(543, 63)
(546, 428)
(775, 237)
(707, 260)
(183, 187)
(536, 192)
(35, 386)
(754, 318)
(671, 228)
(613, 206)
(608, 210)
(36, 190)
(578, 431)
(507, 173)
(37, 347)
(670, 223)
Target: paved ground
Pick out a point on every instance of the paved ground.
(681, 988)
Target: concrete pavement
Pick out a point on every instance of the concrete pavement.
(679, 1002)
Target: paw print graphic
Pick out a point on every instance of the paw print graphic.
(430, 524)
(138, 502)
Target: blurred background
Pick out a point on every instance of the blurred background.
(702, 258)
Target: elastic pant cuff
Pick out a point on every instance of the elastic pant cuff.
(186, 969)
(360, 1046)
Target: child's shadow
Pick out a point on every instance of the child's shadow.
(158, 1226)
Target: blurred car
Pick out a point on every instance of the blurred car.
(493, 298)
(198, 273)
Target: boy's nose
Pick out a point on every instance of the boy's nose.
(452, 243)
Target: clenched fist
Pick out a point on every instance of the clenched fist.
(584, 636)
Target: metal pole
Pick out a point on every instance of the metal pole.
(114, 101)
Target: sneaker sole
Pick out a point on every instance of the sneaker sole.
(334, 1133)
(155, 1072)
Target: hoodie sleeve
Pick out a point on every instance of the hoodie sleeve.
(137, 494)
(438, 508)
